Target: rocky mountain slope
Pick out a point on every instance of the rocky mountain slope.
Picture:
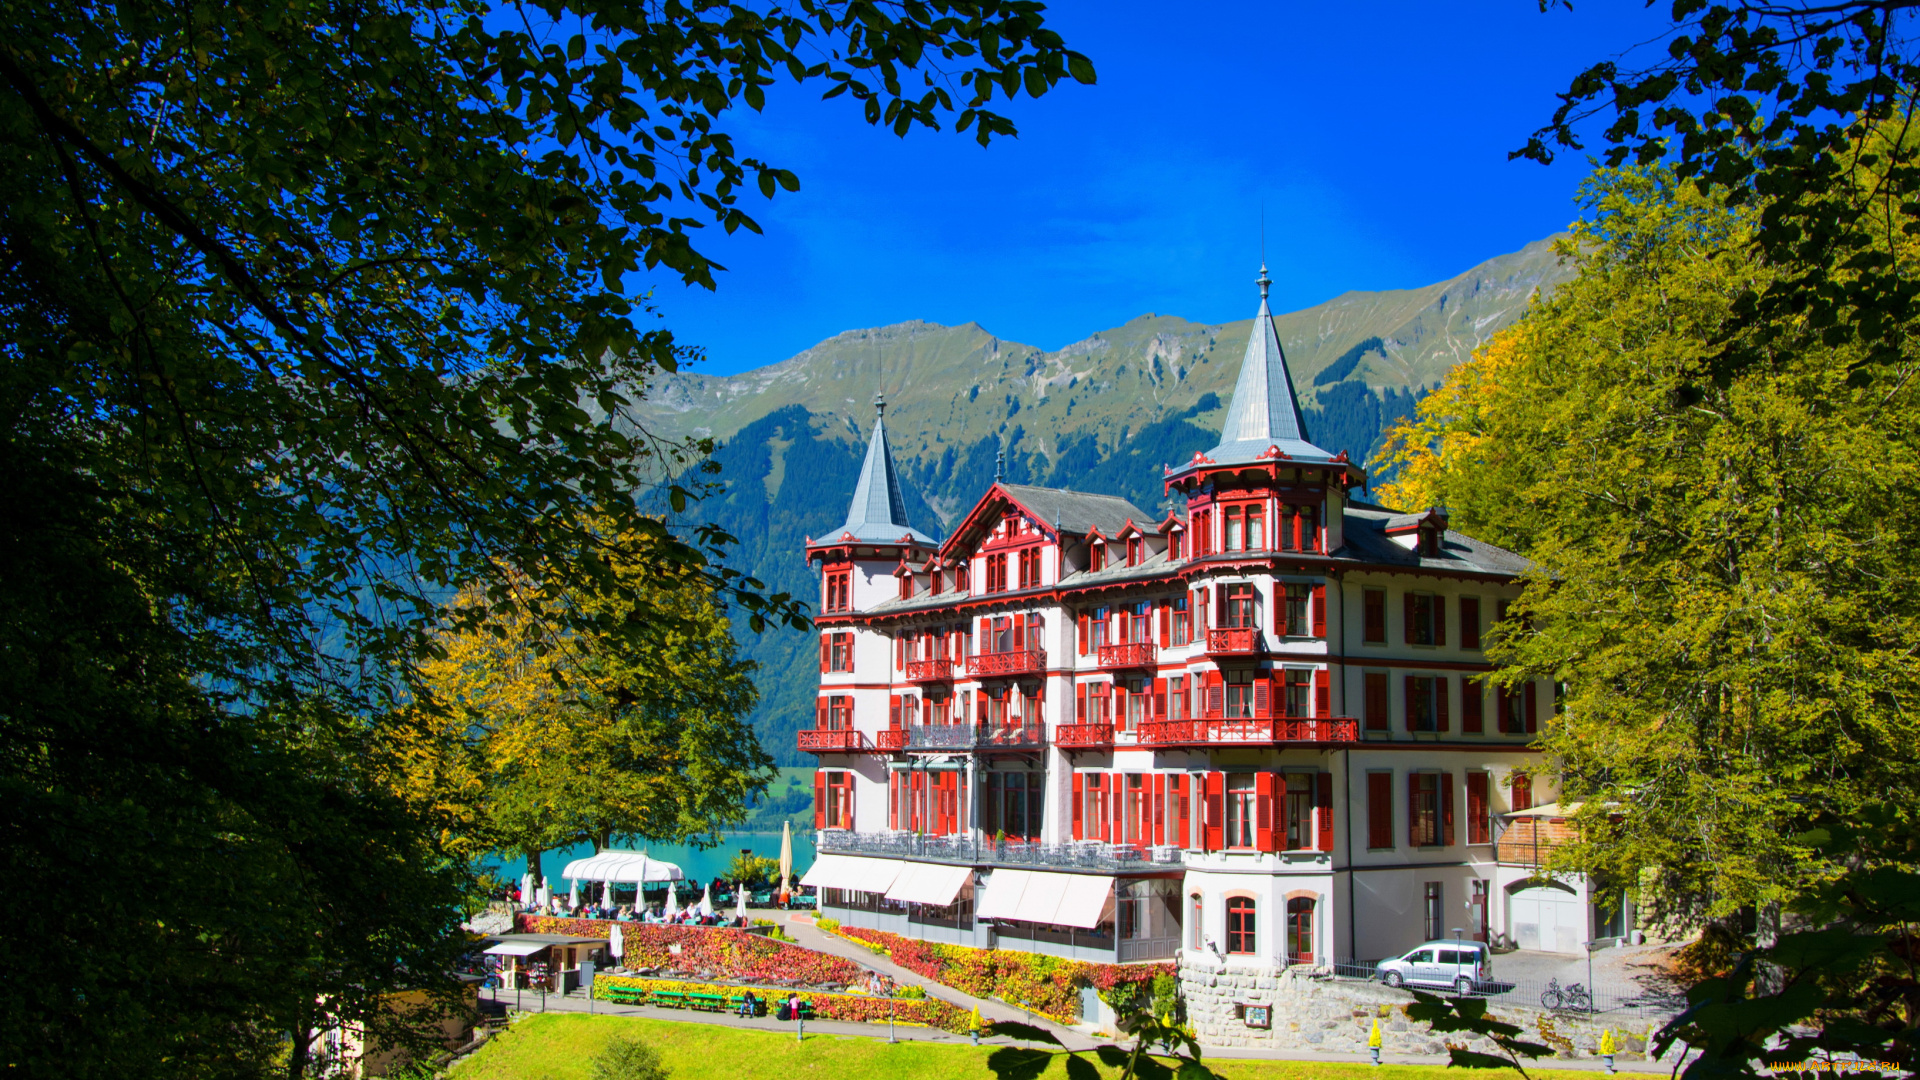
(1102, 414)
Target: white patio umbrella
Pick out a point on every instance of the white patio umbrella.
(786, 859)
(740, 901)
(526, 889)
(573, 893)
(617, 942)
(705, 906)
(673, 903)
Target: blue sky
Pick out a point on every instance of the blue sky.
(1374, 134)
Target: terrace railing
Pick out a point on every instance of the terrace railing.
(1234, 641)
(930, 670)
(1276, 731)
(1133, 654)
(957, 848)
(1007, 664)
(1083, 736)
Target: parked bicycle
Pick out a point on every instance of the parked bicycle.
(1574, 998)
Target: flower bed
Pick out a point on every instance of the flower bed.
(853, 1008)
(1048, 985)
(711, 950)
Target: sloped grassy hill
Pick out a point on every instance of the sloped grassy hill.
(1103, 414)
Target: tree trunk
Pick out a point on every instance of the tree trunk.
(302, 1041)
(533, 867)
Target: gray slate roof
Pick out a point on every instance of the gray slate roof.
(879, 512)
(1264, 411)
(1365, 528)
(1078, 512)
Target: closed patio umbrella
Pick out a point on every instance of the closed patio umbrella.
(786, 860)
(617, 942)
(673, 903)
(706, 901)
(740, 901)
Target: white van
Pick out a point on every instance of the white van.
(1462, 966)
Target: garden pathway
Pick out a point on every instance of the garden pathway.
(801, 928)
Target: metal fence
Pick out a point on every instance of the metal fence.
(1620, 999)
(1082, 855)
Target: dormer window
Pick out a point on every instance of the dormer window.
(1429, 542)
(906, 586)
(1134, 552)
(1099, 555)
(839, 590)
(960, 578)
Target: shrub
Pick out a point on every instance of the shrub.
(856, 1008)
(628, 1059)
(720, 950)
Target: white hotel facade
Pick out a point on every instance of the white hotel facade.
(1252, 729)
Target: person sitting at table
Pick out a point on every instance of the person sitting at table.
(749, 1005)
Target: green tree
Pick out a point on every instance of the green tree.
(1727, 582)
(316, 318)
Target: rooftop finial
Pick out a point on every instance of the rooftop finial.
(1263, 281)
(1000, 465)
(880, 405)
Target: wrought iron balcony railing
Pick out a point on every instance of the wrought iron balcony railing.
(955, 738)
(1233, 641)
(1133, 654)
(930, 670)
(1006, 664)
(1083, 736)
(1080, 855)
(1277, 731)
(849, 741)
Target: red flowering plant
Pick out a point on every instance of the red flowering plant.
(925, 1012)
(711, 950)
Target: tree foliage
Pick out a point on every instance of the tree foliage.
(539, 737)
(1726, 572)
(317, 317)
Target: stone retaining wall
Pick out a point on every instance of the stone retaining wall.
(1337, 1015)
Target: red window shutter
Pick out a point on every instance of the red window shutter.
(1375, 683)
(1116, 806)
(1379, 810)
(820, 714)
(1219, 605)
(1409, 704)
(1439, 620)
(1182, 822)
(849, 648)
(1476, 808)
(1019, 632)
(899, 654)
(1406, 619)
(1216, 701)
(893, 800)
(1262, 699)
(1533, 718)
(1323, 810)
(1159, 808)
(893, 711)
(1080, 703)
(1442, 703)
(1472, 718)
(1078, 799)
(1216, 811)
(1083, 635)
(1159, 702)
(1469, 622)
(1323, 693)
(1320, 611)
(826, 647)
(986, 636)
(1264, 798)
(1446, 809)
(819, 799)
(1166, 625)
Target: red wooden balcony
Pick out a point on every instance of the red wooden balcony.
(1134, 654)
(1276, 731)
(849, 741)
(1234, 641)
(1083, 736)
(930, 671)
(1011, 735)
(1005, 664)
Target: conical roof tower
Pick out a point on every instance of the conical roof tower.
(1264, 412)
(879, 512)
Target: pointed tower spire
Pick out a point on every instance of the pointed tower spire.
(879, 511)
(1264, 411)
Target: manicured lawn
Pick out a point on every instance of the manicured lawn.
(558, 1046)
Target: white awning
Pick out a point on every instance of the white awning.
(1000, 898)
(519, 948)
(1038, 896)
(853, 872)
(929, 883)
(622, 866)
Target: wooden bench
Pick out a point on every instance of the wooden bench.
(738, 1001)
(707, 1002)
(670, 999)
(627, 995)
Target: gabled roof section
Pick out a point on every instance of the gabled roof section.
(1075, 511)
(1264, 412)
(879, 512)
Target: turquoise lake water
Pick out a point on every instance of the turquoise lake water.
(700, 865)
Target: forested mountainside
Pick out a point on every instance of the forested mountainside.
(1102, 415)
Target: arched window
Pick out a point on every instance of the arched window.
(1196, 923)
(1300, 930)
(1241, 938)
